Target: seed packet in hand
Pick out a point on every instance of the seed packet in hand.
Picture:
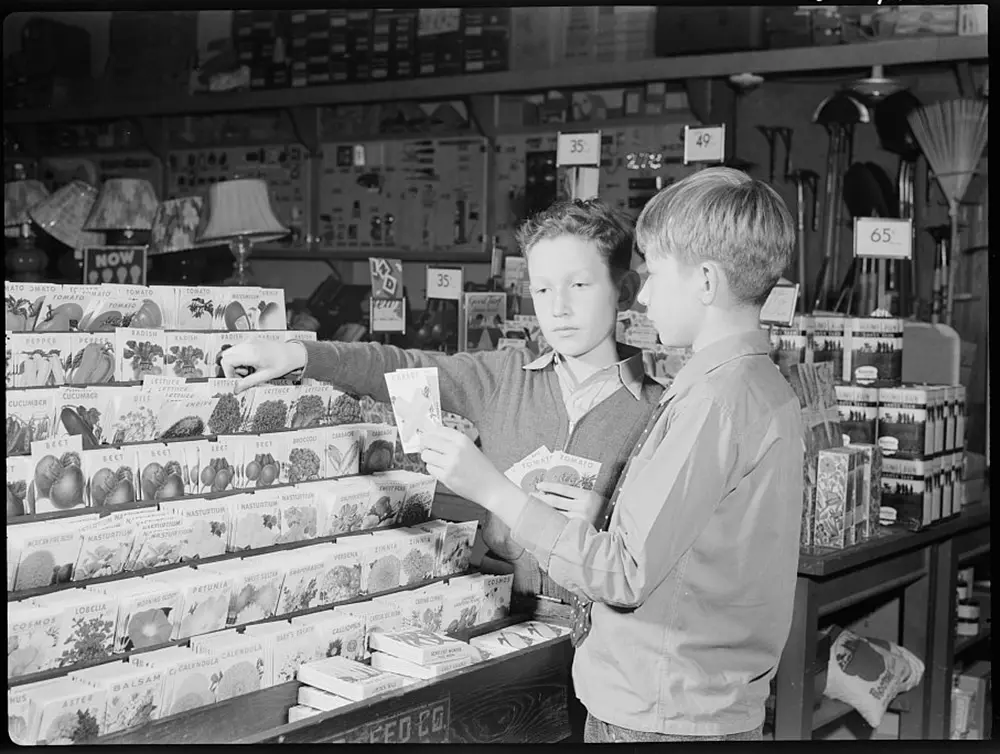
(416, 404)
(572, 470)
(530, 470)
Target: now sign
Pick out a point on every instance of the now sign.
(125, 265)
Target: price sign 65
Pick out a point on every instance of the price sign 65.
(883, 237)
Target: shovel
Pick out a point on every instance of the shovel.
(838, 114)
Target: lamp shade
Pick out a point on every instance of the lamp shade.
(175, 226)
(123, 204)
(240, 208)
(18, 198)
(63, 214)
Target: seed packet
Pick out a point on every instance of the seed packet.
(29, 418)
(272, 408)
(300, 516)
(203, 604)
(167, 470)
(385, 502)
(195, 307)
(496, 591)
(210, 526)
(419, 555)
(243, 667)
(323, 701)
(254, 520)
(261, 461)
(220, 342)
(88, 630)
(33, 638)
(8, 361)
(348, 679)
(218, 465)
(572, 470)
(300, 589)
(340, 579)
(62, 310)
(184, 416)
(186, 354)
(382, 563)
(423, 672)
(188, 679)
(338, 633)
(416, 404)
(85, 412)
(37, 358)
(23, 303)
(379, 447)
(68, 712)
(377, 615)
(461, 609)
(254, 587)
(134, 416)
(162, 383)
(457, 547)
(342, 452)
(231, 411)
(147, 612)
(237, 308)
(139, 351)
(108, 310)
(530, 470)
(421, 608)
(271, 310)
(91, 359)
(20, 471)
(419, 500)
(57, 481)
(104, 550)
(133, 694)
(314, 405)
(160, 542)
(418, 646)
(344, 502)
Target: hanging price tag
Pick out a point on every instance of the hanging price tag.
(579, 149)
(444, 282)
(883, 237)
(387, 315)
(779, 309)
(704, 144)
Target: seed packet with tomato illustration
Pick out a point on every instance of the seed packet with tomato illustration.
(107, 310)
(237, 308)
(416, 404)
(254, 587)
(110, 476)
(572, 470)
(134, 415)
(57, 481)
(186, 354)
(91, 360)
(184, 416)
(140, 352)
(194, 307)
(38, 358)
(29, 418)
(210, 526)
(530, 470)
(305, 457)
(62, 310)
(271, 314)
(20, 471)
(167, 470)
(23, 303)
(85, 412)
(254, 520)
(261, 463)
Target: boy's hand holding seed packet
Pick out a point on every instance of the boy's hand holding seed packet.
(416, 403)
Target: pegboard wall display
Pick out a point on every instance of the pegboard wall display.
(636, 162)
(97, 168)
(285, 167)
(411, 196)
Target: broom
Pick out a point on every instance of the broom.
(952, 136)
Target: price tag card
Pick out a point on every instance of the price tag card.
(387, 315)
(779, 309)
(386, 277)
(704, 144)
(444, 282)
(883, 237)
(579, 149)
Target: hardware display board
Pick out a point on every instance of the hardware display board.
(424, 195)
(55, 172)
(636, 162)
(285, 167)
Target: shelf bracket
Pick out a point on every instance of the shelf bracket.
(482, 114)
(966, 82)
(711, 100)
(153, 132)
(305, 123)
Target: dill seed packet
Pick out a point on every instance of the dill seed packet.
(33, 637)
(84, 412)
(29, 418)
(91, 358)
(109, 474)
(134, 416)
(337, 633)
(416, 404)
(254, 587)
(37, 358)
(133, 694)
(88, 629)
(341, 449)
(140, 352)
(305, 457)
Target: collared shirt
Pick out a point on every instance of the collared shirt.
(581, 397)
(694, 580)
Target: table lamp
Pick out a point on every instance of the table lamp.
(63, 214)
(175, 229)
(25, 261)
(124, 211)
(239, 211)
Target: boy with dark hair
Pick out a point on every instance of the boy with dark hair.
(691, 583)
(588, 396)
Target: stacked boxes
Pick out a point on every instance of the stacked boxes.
(485, 39)
(858, 412)
(873, 351)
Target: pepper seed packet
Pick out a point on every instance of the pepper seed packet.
(91, 358)
(416, 404)
(37, 358)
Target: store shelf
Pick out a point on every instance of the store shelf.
(965, 643)
(831, 711)
(889, 52)
(362, 255)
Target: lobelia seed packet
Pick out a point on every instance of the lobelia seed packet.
(57, 480)
(140, 352)
(85, 412)
(416, 404)
(305, 457)
(38, 358)
(20, 471)
(91, 359)
(568, 469)
(88, 630)
(186, 354)
(29, 418)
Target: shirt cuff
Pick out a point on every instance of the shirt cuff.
(538, 529)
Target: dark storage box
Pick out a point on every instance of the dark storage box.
(694, 31)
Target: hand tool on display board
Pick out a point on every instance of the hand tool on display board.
(803, 179)
(887, 270)
(838, 113)
(741, 84)
(864, 198)
(772, 133)
(896, 136)
(940, 234)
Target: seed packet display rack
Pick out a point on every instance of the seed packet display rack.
(52, 591)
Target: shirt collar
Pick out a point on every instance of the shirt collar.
(716, 354)
(630, 367)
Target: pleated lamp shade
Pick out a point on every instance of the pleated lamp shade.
(240, 208)
(124, 204)
(63, 214)
(18, 198)
(175, 226)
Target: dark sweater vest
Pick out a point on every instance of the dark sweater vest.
(515, 410)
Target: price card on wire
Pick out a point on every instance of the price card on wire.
(387, 315)
(444, 282)
(704, 144)
(579, 149)
(883, 237)
(779, 309)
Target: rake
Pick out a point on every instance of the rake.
(952, 136)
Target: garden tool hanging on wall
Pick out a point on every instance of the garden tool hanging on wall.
(741, 84)
(771, 133)
(838, 113)
(864, 288)
(804, 179)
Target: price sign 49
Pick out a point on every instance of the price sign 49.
(883, 237)
(704, 144)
